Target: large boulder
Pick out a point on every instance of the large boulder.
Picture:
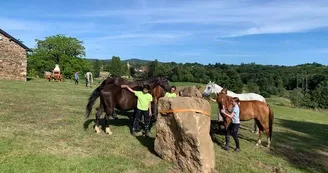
(191, 91)
(183, 134)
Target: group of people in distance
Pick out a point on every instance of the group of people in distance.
(144, 106)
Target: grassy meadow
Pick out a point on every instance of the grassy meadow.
(43, 129)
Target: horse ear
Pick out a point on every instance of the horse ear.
(224, 91)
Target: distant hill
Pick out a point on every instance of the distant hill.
(131, 61)
(137, 61)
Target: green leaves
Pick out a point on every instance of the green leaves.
(117, 68)
(58, 49)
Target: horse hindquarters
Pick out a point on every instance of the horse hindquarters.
(264, 121)
(108, 104)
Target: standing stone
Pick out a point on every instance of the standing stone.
(191, 91)
(183, 134)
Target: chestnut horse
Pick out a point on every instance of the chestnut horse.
(251, 109)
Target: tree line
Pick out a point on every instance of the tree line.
(306, 85)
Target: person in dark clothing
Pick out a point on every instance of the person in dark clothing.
(234, 126)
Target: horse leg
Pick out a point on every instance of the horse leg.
(153, 117)
(86, 82)
(114, 115)
(267, 131)
(255, 128)
(268, 137)
(100, 110)
(109, 111)
(259, 142)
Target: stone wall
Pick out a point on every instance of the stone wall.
(13, 60)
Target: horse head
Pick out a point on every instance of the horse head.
(224, 91)
(164, 83)
(208, 89)
(225, 102)
(161, 81)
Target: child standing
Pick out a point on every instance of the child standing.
(143, 107)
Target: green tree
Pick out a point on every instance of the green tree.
(320, 95)
(96, 68)
(297, 97)
(308, 101)
(174, 78)
(116, 68)
(58, 49)
(235, 84)
(253, 88)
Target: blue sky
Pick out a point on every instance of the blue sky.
(227, 31)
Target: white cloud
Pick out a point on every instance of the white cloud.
(20, 25)
(239, 17)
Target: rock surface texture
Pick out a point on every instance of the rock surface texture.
(191, 91)
(183, 134)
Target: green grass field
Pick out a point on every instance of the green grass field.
(43, 129)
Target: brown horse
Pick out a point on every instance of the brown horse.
(113, 96)
(137, 85)
(157, 93)
(260, 111)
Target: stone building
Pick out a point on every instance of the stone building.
(13, 58)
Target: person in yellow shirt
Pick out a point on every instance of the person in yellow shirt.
(171, 93)
(143, 107)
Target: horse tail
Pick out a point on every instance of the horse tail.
(93, 97)
(271, 116)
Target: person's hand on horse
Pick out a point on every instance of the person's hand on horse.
(123, 86)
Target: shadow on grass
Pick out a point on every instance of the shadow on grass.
(148, 142)
(112, 122)
(304, 144)
(119, 121)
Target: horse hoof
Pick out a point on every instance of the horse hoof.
(108, 131)
(97, 129)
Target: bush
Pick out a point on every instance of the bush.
(320, 95)
(252, 88)
(308, 101)
(32, 73)
(265, 94)
(297, 97)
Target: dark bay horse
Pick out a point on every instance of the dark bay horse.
(137, 85)
(113, 96)
(260, 111)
